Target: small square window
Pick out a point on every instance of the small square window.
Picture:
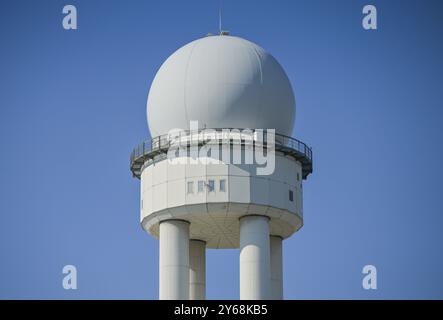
(201, 186)
(291, 195)
(190, 188)
(211, 187)
(222, 185)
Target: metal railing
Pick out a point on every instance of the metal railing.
(150, 148)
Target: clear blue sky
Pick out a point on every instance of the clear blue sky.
(72, 107)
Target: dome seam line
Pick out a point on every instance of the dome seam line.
(261, 111)
(185, 82)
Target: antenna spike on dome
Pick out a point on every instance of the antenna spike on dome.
(221, 32)
(220, 18)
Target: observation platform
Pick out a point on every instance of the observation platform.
(149, 149)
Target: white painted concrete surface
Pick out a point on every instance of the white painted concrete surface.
(276, 268)
(214, 214)
(255, 268)
(197, 270)
(174, 260)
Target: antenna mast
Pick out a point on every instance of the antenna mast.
(220, 18)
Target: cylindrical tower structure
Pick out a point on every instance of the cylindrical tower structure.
(255, 276)
(174, 260)
(197, 270)
(276, 267)
(221, 167)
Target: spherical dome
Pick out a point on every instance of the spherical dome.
(221, 82)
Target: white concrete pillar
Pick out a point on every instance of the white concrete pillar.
(174, 260)
(197, 270)
(255, 281)
(276, 268)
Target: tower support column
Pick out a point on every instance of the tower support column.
(255, 279)
(174, 260)
(276, 268)
(197, 270)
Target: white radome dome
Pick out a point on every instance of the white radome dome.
(221, 82)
